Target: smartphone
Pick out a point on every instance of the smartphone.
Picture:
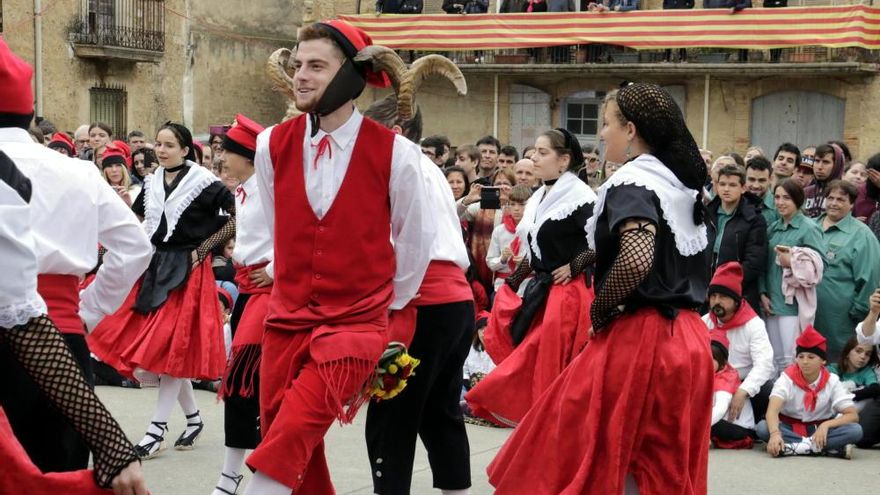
(490, 198)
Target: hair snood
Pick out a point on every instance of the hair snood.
(571, 142)
(661, 125)
(184, 137)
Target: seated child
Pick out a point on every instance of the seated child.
(810, 411)
(736, 434)
(856, 370)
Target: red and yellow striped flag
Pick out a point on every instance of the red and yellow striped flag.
(841, 26)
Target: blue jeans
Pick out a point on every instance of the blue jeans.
(838, 437)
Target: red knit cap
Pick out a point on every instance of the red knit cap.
(728, 280)
(62, 141)
(353, 40)
(16, 94)
(242, 136)
(124, 148)
(812, 341)
(718, 338)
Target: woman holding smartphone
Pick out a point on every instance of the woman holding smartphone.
(792, 230)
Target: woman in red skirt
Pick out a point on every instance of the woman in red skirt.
(632, 411)
(170, 326)
(534, 338)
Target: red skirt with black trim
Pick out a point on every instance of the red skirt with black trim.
(523, 373)
(183, 338)
(637, 400)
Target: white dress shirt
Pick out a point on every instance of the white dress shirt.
(19, 301)
(448, 244)
(253, 243)
(412, 227)
(873, 339)
(73, 209)
(833, 399)
(501, 238)
(750, 353)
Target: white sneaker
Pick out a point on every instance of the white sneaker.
(797, 448)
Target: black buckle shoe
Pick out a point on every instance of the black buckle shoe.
(235, 479)
(187, 442)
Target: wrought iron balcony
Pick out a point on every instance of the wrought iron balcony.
(120, 29)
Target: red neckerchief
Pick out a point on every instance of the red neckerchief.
(743, 315)
(239, 191)
(726, 379)
(323, 145)
(811, 396)
(510, 225)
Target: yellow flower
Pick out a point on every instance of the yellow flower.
(403, 359)
(392, 368)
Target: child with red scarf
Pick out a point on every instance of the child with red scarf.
(505, 248)
(728, 433)
(810, 411)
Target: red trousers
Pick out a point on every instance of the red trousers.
(19, 475)
(294, 408)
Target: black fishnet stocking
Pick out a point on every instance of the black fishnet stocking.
(223, 234)
(43, 353)
(581, 261)
(633, 264)
(522, 272)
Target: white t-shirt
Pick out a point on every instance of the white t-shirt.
(832, 400)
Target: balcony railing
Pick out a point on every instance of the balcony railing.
(131, 29)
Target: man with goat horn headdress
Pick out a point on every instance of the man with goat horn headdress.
(346, 203)
(442, 317)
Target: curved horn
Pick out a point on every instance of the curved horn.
(276, 67)
(437, 64)
(386, 60)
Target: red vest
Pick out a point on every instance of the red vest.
(339, 268)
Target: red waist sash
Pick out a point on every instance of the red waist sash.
(798, 426)
(444, 283)
(61, 293)
(244, 282)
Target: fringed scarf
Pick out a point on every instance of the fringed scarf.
(811, 395)
(567, 195)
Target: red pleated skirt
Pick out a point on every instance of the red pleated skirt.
(183, 338)
(636, 401)
(555, 337)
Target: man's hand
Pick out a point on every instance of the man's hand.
(736, 404)
(260, 277)
(820, 436)
(130, 481)
(765, 305)
(775, 444)
(874, 303)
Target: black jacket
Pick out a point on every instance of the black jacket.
(745, 241)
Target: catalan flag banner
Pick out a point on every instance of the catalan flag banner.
(758, 28)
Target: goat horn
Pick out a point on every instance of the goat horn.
(437, 64)
(385, 60)
(277, 69)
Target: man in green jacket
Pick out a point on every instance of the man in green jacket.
(852, 270)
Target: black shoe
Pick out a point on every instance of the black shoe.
(844, 453)
(235, 479)
(155, 447)
(187, 442)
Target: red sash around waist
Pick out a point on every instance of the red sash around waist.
(243, 280)
(798, 426)
(444, 283)
(61, 293)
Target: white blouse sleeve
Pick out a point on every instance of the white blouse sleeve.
(19, 301)
(867, 339)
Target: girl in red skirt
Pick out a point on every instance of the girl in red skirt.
(170, 324)
(617, 418)
(534, 338)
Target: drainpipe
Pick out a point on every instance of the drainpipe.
(495, 109)
(38, 57)
(706, 114)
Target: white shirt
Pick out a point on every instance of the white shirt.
(863, 339)
(412, 227)
(833, 399)
(721, 404)
(477, 362)
(750, 353)
(448, 244)
(73, 209)
(253, 242)
(19, 300)
(501, 238)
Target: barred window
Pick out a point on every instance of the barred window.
(108, 104)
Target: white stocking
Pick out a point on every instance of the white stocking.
(187, 400)
(169, 388)
(263, 485)
(231, 468)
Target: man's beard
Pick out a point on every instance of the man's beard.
(719, 311)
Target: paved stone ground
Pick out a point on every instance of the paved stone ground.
(730, 472)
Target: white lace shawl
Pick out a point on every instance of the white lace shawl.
(676, 202)
(567, 195)
(155, 204)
